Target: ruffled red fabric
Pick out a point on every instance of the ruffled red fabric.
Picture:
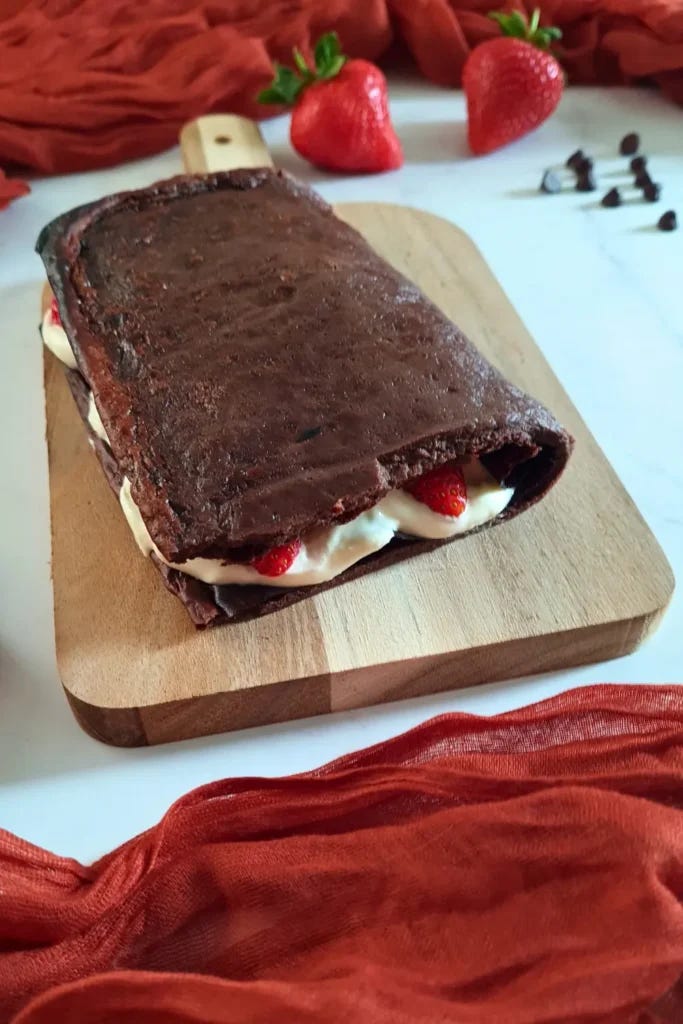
(87, 83)
(520, 869)
(10, 189)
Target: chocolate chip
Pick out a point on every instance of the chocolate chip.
(575, 159)
(308, 434)
(630, 144)
(652, 191)
(612, 198)
(668, 221)
(550, 183)
(642, 180)
(586, 182)
(638, 164)
(584, 165)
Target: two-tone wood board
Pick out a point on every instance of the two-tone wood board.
(580, 578)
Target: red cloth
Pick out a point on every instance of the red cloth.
(522, 869)
(11, 189)
(87, 83)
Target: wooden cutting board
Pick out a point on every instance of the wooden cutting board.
(579, 578)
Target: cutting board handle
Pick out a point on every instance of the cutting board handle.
(222, 142)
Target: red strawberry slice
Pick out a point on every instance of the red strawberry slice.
(341, 116)
(278, 560)
(443, 489)
(54, 313)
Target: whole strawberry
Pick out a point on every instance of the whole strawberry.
(512, 83)
(340, 120)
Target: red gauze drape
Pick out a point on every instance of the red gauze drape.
(86, 83)
(522, 869)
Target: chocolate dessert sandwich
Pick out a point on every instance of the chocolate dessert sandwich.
(277, 409)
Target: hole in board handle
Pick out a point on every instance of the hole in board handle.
(222, 140)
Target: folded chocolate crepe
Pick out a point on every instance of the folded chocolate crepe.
(277, 408)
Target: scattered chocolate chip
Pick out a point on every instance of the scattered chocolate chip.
(668, 221)
(584, 165)
(612, 198)
(652, 191)
(638, 164)
(309, 434)
(642, 180)
(586, 182)
(575, 159)
(550, 183)
(630, 144)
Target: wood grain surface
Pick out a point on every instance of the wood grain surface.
(218, 142)
(579, 578)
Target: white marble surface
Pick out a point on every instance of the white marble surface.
(600, 290)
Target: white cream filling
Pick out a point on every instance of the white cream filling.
(328, 551)
(54, 337)
(94, 420)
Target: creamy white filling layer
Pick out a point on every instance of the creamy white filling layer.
(328, 551)
(54, 337)
(94, 420)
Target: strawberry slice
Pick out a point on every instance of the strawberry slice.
(443, 490)
(278, 560)
(54, 313)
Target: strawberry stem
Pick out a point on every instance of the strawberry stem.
(288, 83)
(516, 25)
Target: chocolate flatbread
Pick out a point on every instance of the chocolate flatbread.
(261, 371)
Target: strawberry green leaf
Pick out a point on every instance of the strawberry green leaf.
(513, 24)
(516, 26)
(543, 37)
(272, 96)
(333, 68)
(327, 50)
(269, 96)
(284, 88)
(288, 83)
(300, 61)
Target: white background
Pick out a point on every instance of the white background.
(601, 291)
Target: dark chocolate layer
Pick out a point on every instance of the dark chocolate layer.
(260, 370)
